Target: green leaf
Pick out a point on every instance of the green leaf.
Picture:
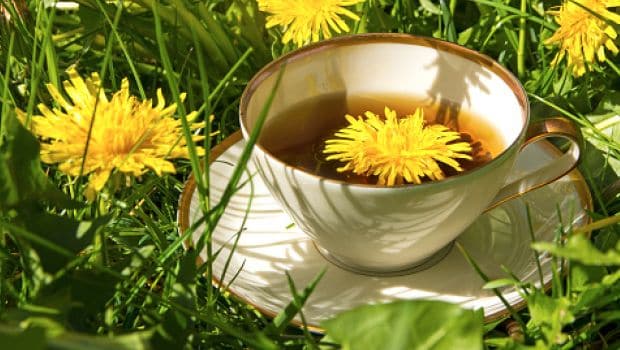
(606, 118)
(91, 290)
(420, 324)
(176, 326)
(611, 279)
(579, 248)
(448, 22)
(17, 339)
(500, 283)
(172, 333)
(606, 238)
(39, 335)
(598, 295)
(430, 7)
(583, 276)
(288, 313)
(22, 180)
(76, 341)
(73, 236)
(550, 315)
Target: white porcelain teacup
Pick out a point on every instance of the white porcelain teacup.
(390, 230)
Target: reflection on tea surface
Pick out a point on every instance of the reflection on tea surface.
(297, 136)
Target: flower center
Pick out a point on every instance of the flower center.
(396, 150)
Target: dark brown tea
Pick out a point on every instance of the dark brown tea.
(297, 136)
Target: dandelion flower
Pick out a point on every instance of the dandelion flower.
(585, 32)
(306, 20)
(397, 150)
(127, 135)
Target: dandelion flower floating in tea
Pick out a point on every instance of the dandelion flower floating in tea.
(586, 30)
(127, 135)
(306, 20)
(396, 150)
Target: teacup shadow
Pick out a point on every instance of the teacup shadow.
(451, 87)
(269, 247)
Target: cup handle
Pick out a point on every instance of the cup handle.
(552, 127)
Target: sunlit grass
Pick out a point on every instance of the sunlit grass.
(126, 281)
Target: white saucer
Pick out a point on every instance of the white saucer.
(269, 245)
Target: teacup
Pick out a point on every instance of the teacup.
(374, 229)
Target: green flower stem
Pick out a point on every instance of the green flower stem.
(612, 65)
(521, 50)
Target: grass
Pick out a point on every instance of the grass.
(113, 273)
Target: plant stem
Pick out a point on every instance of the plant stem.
(597, 225)
(613, 66)
(521, 50)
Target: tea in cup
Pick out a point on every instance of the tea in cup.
(363, 222)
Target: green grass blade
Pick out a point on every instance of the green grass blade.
(448, 22)
(486, 279)
(173, 85)
(530, 230)
(283, 319)
(113, 26)
(246, 153)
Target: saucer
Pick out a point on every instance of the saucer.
(269, 245)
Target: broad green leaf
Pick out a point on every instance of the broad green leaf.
(608, 107)
(22, 180)
(176, 327)
(606, 118)
(420, 324)
(430, 7)
(379, 20)
(77, 341)
(172, 333)
(611, 279)
(598, 295)
(583, 276)
(18, 339)
(91, 289)
(43, 334)
(57, 231)
(550, 315)
(606, 238)
(596, 163)
(579, 248)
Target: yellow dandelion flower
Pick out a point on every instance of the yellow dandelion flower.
(128, 135)
(306, 20)
(397, 150)
(585, 32)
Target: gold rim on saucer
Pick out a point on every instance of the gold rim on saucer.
(577, 180)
